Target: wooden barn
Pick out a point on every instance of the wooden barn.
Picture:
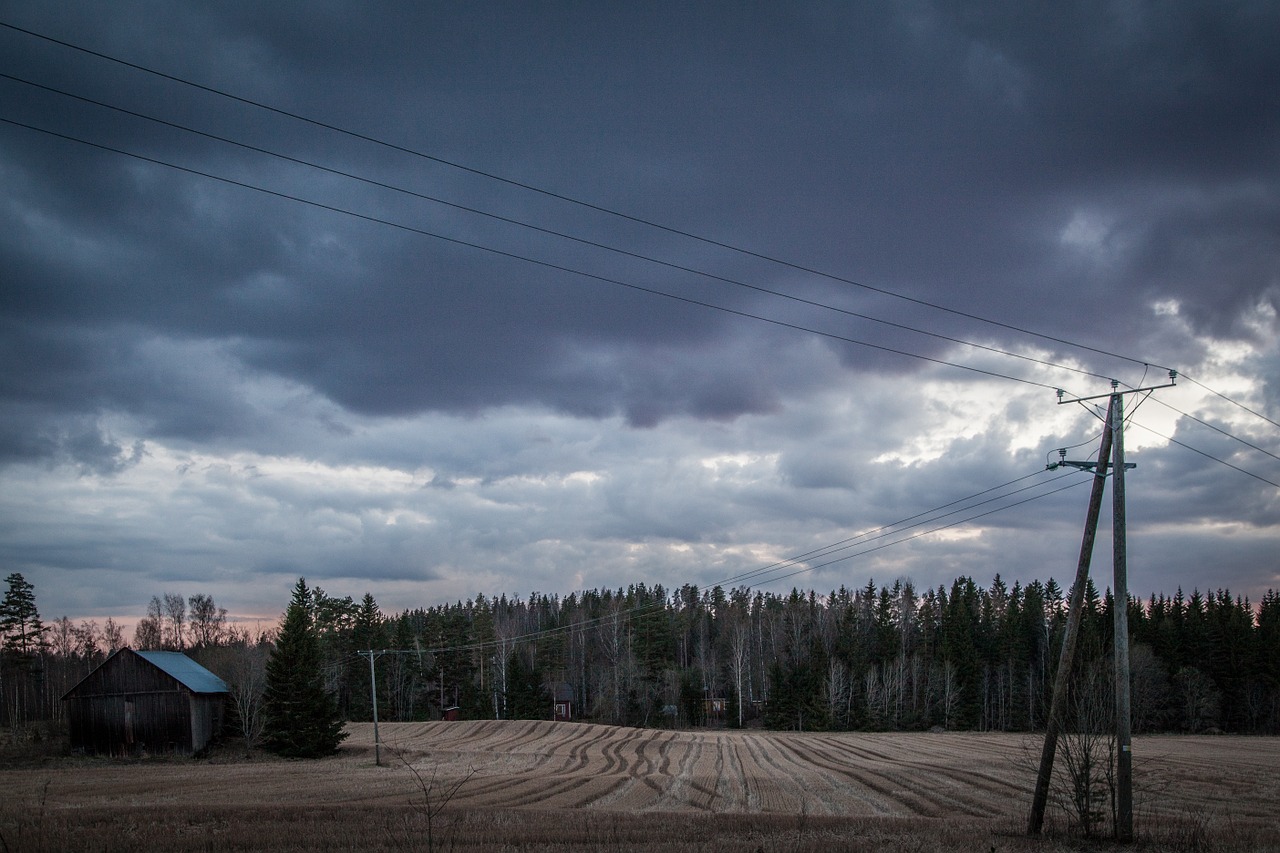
(139, 703)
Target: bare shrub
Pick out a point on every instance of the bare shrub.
(1085, 787)
(1198, 701)
(430, 799)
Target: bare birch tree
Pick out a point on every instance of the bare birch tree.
(208, 621)
(175, 624)
(739, 638)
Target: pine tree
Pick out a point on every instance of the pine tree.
(300, 717)
(20, 620)
(21, 693)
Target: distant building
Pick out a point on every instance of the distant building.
(139, 703)
(715, 707)
(562, 708)
(450, 714)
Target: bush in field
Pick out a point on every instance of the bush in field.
(300, 717)
(1087, 793)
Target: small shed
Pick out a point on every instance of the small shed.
(146, 703)
(562, 702)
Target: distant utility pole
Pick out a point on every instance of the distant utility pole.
(1112, 447)
(373, 688)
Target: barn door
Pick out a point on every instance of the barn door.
(128, 722)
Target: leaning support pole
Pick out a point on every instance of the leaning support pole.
(1124, 734)
(1066, 659)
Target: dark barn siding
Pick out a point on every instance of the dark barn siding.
(138, 723)
(206, 719)
(130, 707)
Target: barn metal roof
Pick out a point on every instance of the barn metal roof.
(190, 674)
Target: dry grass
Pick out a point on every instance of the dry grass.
(539, 786)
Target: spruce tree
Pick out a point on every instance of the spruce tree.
(300, 717)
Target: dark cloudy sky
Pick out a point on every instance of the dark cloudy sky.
(239, 346)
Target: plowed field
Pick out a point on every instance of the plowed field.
(545, 786)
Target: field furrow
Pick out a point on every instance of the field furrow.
(737, 791)
(872, 789)
(500, 773)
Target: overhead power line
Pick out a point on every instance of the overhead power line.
(548, 231)
(618, 282)
(1208, 456)
(641, 611)
(1229, 400)
(515, 256)
(920, 519)
(365, 137)
(611, 212)
(1218, 429)
(948, 526)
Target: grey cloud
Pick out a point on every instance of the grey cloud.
(1064, 171)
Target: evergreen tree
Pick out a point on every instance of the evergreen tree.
(20, 620)
(301, 717)
(22, 697)
(527, 697)
(960, 649)
(367, 632)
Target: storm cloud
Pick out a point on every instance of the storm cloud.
(443, 299)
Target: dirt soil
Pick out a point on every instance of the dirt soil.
(539, 785)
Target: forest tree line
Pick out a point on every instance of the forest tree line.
(872, 658)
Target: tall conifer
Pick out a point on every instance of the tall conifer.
(300, 717)
(20, 625)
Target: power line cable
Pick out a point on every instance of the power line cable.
(562, 197)
(1070, 447)
(825, 548)
(1217, 429)
(601, 209)
(1229, 400)
(641, 611)
(651, 609)
(514, 256)
(642, 221)
(561, 268)
(948, 526)
(1211, 457)
(888, 530)
(548, 231)
(1129, 419)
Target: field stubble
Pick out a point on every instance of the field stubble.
(566, 786)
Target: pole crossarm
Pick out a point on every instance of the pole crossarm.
(1115, 390)
(1085, 465)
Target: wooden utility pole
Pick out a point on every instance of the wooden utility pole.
(1120, 608)
(1066, 657)
(1112, 448)
(373, 690)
